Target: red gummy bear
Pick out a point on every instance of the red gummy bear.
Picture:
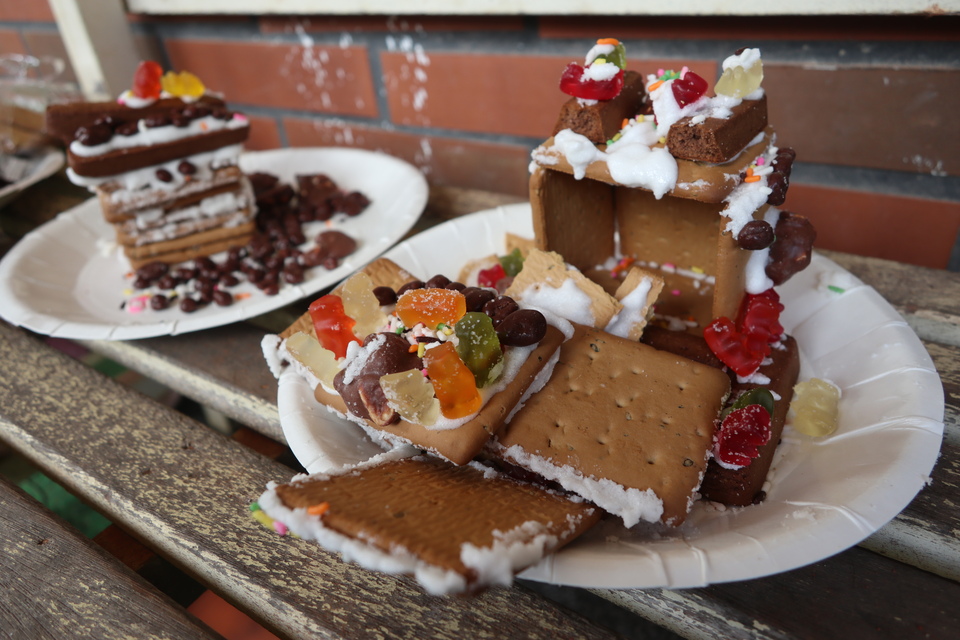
(689, 88)
(743, 345)
(333, 326)
(573, 84)
(739, 351)
(760, 315)
(741, 434)
(490, 277)
(146, 80)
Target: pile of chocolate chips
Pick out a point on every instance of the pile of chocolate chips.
(273, 256)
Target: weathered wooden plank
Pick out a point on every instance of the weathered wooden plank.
(221, 368)
(856, 594)
(58, 584)
(928, 299)
(184, 490)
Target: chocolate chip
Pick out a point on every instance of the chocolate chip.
(164, 176)
(127, 129)
(385, 295)
(409, 286)
(392, 356)
(153, 270)
(476, 297)
(187, 168)
(522, 328)
(438, 281)
(755, 235)
(222, 298)
(156, 121)
(499, 308)
(336, 244)
(293, 273)
(159, 302)
(94, 134)
(778, 184)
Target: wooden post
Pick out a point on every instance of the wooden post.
(100, 45)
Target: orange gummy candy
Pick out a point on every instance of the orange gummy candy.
(431, 307)
(453, 382)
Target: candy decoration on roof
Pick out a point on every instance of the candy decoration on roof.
(601, 75)
(742, 74)
(146, 80)
(688, 88)
(182, 85)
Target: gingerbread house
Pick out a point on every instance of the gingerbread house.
(666, 176)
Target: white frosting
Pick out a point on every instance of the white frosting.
(577, 149)
(632, 505)
(511, 551)
(146, 178)
(601, 71)
(568, 301)
(747, 197)
(632, 313)
(598, 51)
(746, 59)
(152, 225)
(633, 161)
(665, 105)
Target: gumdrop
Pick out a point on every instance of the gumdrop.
(360, 303)
(574, 84)
(452, 381)
(490, 277)
(431, 307)
(411, 395)
(308, 352)
(815, 407)
(479, 347)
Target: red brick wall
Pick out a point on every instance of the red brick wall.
(868, 103)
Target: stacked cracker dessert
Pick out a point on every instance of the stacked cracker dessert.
(628, 361)
(163, 162)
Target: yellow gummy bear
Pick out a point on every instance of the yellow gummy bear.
(183, 84)
(815, 407)
(738, 81)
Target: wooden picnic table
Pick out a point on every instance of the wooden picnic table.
(182, 489)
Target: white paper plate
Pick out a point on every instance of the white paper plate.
(56, 282)
(825, 494)
(43, 164)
